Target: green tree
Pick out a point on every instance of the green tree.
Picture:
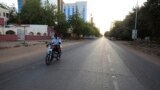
(154, 17)
(62, 24)
(144, 24)
(86, 29)
(107, 34)
(49, 14)
(32, 12)
(77, 23)
(13, 15)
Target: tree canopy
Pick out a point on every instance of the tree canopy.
(148, 23)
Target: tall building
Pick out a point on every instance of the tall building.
(91, 19)
(70, 8)
(20, 4)
(60, 5)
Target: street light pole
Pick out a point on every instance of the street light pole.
(134, 31)
(136, 16)
(4, 27)
(24, 35)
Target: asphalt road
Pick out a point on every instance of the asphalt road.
(86, 65)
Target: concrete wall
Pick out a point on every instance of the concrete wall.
(30, 32)
(8, 37)
(42, 29)
(28, 37)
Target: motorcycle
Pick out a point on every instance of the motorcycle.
(51, 54)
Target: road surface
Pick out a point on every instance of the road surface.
(97, 64)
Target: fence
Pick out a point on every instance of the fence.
(27, 37)
(8, 37)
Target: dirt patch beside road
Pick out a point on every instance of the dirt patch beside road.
(147, 50)
(15, 44)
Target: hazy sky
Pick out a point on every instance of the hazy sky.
(104, 12)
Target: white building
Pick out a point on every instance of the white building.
(21, 31)
(4, 14)
(70, 8)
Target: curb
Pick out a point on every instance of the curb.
(20, 44)
(17, 44)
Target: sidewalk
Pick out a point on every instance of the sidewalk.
(13, 44)
(148, 48)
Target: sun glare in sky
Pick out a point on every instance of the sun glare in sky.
(104, 12)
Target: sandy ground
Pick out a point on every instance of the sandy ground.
(148, 51)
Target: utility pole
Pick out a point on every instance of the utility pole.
(4, 27)
(134, 31)
(136, 16)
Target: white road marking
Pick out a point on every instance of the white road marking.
(115, 83)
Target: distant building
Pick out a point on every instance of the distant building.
(20, 5)
(4, 14)
(91, 21)
(70, 8)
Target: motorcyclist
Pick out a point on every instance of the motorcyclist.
(56, 41)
